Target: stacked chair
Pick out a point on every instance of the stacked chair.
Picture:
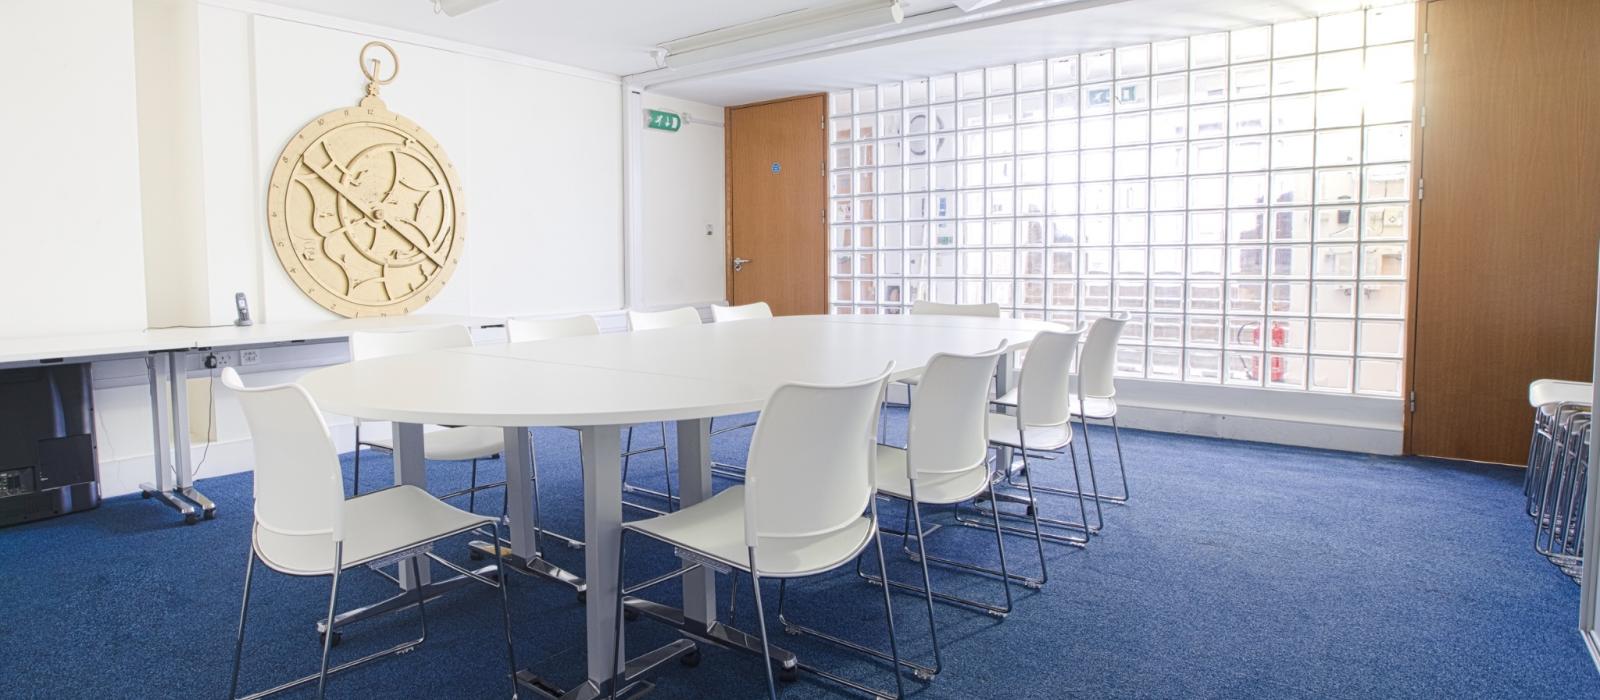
(1554, 484)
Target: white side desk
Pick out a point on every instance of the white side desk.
(165, 352)
(602, 383)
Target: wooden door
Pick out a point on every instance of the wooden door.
(1509, 218)
(777, 204)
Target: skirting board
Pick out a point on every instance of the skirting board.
(1348, 423)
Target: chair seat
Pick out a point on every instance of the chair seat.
(941, 489)
(1099, 408)
(455, 444)
(715, 529)
(1543, 392)
(1003, 431)
(912, 380)
(376, 525)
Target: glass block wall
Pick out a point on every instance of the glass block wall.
(1243, 195)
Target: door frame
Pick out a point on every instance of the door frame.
(1414, 241)
(727, 183)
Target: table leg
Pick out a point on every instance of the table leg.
(157, 366)
(524, 554)
(182, 454)
(694, 485)
(411, 469)
(1002, 384)
(602, 531)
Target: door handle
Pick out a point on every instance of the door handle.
(738, 263)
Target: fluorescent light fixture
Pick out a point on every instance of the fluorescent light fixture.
(897, 11)
(838, 17)
(970, 5)
(453, 8)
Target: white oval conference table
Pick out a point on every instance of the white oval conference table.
(600, 384)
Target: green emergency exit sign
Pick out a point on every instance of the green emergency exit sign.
(665, 121)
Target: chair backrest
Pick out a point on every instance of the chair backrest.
(1044, 389)
(740, 313)
(1097, 368)
(948, 431)
(812, 459)
(525, 330)
(366, 345)
(990, 310)
(299, 489)
(673, 318)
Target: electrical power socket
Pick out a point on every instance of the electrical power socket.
(220, 359)
(249, 357)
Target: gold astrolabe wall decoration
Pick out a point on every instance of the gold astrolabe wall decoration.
(364, 208)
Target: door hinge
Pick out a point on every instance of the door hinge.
(1419, 189)
(824, 123)
(1412, 402)
(1424, 43)
(1424, 120)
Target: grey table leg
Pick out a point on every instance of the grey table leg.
(411, 468)
(1002, 384)
(519, 492)
(182, 457)
(694, 484)
(602, 531)
(161, 488)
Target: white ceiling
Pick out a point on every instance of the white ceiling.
(610, 36)
(616, 36)
(1096, 25)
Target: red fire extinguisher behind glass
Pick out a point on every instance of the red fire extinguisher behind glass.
(1279, 339)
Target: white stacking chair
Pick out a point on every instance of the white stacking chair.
(1553, 401)
(649, 321)
(1042, 423)
(945, 462)
(449, 444)
(1095, 397)
(671, 318)
(725, 314)
(806, 508)
(922, 307)
(722, 314)
(305, 527)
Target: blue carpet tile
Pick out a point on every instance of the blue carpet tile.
(1238, 570)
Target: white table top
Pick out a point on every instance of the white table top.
(642, 376)
(91, 346)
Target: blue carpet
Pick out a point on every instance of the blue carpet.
(1239, 570)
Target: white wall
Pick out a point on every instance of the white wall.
(225, 83)
(681, 183)
(70, 185)
(538, 150)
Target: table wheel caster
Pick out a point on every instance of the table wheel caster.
(145, 495)
(337, 637)
(921, 675)
(475, 555)
(630, 615)
(788, 675)
(691, 659)
(211, 514)
(583, 597)
(191, 519)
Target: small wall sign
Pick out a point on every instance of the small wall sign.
(665, 121)
(777, 168)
